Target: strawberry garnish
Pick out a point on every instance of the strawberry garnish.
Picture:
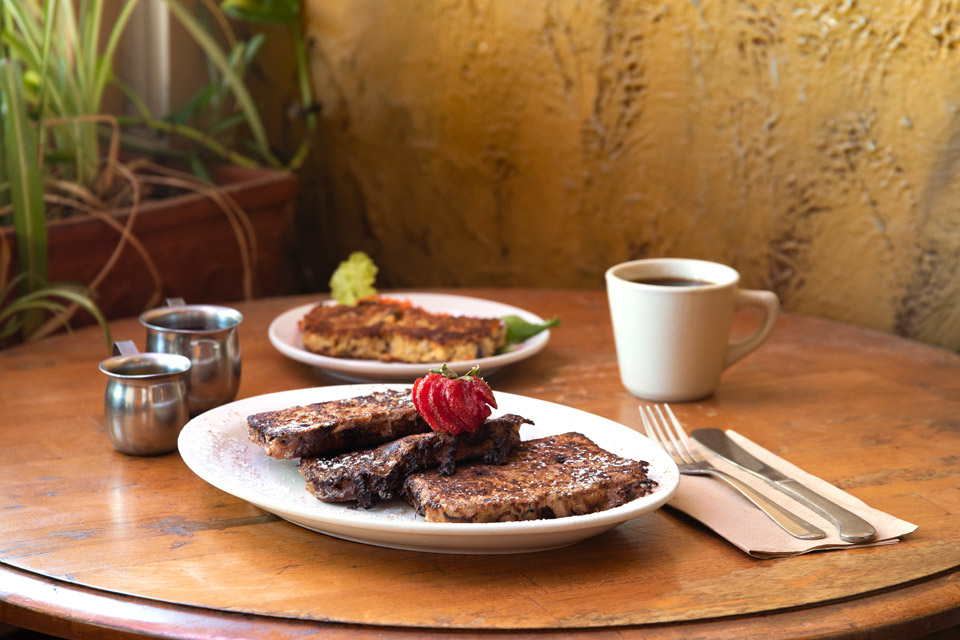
(451, 403)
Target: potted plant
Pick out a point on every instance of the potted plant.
(200, 186)
(23, 312)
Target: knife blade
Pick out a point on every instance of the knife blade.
(852, 527)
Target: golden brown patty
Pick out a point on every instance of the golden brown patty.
(394, 331)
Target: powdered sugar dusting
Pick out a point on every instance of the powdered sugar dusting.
(216, 447)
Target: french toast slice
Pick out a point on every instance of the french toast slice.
(370, 475)
(329, 428)
(344, 331)
(553, 477)
(397, 331)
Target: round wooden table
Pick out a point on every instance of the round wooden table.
(94, 542)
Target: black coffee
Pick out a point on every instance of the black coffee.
(671, 282)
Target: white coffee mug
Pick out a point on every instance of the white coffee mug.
(671, 322)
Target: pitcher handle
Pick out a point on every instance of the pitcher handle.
(125, 348)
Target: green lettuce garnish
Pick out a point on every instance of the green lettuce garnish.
(519, 329)
(353, 280)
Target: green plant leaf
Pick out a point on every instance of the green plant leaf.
(49, 9)
(104, 67)
(306, 96)
(22, 159)
(46, 41)
(192, 107)
(269, 11)
(90, 17)
(254, 45)
(216, 55)
(82, 299)
(4, 186)
(353, 279)
(25, 20)
(44, 300)
(226, 124)
(11, 319)
(199, 169)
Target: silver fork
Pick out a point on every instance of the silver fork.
(672, 438)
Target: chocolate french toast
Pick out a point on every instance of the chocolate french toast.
(397, 331)
(553, 477)
(469, 468)
(370, 475)
(329, 428)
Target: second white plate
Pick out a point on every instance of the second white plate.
(284, 334)
(216, 447)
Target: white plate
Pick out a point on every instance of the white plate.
(216, 447)
(284, 333)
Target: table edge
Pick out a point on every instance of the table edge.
(50, 605)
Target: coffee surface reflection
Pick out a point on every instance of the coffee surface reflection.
(671, 282)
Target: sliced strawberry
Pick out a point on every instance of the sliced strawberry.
(482, 408)
(413, 392)
(481, 389)
(453, 403)
(419, 399)
(424, 405)
(458, 397)
(448, 419)
(476, 396)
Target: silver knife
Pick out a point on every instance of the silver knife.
(852, 527)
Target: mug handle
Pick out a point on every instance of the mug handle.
(769, 303)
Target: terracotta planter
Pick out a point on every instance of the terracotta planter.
(190, 240)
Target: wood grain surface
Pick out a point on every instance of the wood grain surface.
(871, 413)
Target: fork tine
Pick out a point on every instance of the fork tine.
(647, 427)
(681, 434)
(671, 434)
(668, 443)
(649, 424)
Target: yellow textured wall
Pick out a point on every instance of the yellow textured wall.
(815, 146)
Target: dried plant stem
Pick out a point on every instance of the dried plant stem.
(135, 174)
(126, 235)
(239, 220)
(79, 192)
(111, 161)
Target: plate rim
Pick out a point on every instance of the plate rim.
(488, 531)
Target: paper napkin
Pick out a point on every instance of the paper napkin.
(729, 514)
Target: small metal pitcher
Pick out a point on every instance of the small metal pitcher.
(145, 404)
(208, 336)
